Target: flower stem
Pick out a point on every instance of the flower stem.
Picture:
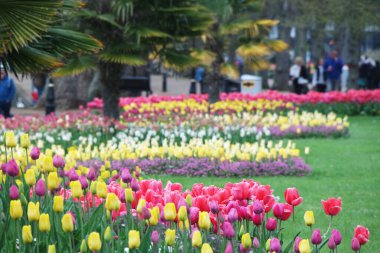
(328, 229)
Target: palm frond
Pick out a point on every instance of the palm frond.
(229, 70)
(122, 58)
(178, 60)
(108, 17)
(253, 50)
(205, 57)
(76, 66)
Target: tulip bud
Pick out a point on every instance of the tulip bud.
(232, 215)
(204, 221)
(155, 237)
(58, 161)
(94, 242)
(93, 187)
(76, 189)
(257, 219)
(309, 218)
(316, 237)
(229, 248)
(51, 248)
(126, 176)
(135, 185)
(275, 245)
(140, 205)
(337, 236)
(35, 153)
(72, 175)
(228, 230)
(145, 212)
(214, 207)
(83, 247)
(182, 213)
(206, 248)
(112, 202)
(304, 246)
(33, 211)
(107, 234)
(27, 234)
(30, 177)
(194, 215)
(52, 181)
(14, 192)
(296, 244)
(170, 212)
(278, 210)
(58, 204)
(91, 175)
(241, 231)
(154, 215)
(67, 223)
(170, 237)
(271, 224)
(257, 207)
(12, 168)
(10, 139)
(189, 200)
(129, 195)
(24, 141)
(246, 241)
(44, 223)
(355, 244)
(331, 243)
(267, 245)
(133, 239)
(101, 189)
(196, 240)
(256, 243)
(15, 209)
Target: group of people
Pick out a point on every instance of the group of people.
(332, 74)
(328, 75)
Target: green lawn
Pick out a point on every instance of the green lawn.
(348, 168)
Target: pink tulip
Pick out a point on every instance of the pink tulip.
(12, 168)
(126, 175)
(271, 224)
(257, 207)
(337, 236)
(292, 196)
(134, 185)
(331, 243)
(229, 248)
(35, 153)
(296, 243)
(40, 188)
(256, 243)
(155, 237)
(355, 244)
(316, 237)
(228, 230)
(58, 161)
(232, 215)
(14, 192)
(275, 245)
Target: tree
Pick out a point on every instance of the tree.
(237, 29)
(134, 30)
(33, 38)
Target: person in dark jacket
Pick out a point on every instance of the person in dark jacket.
(319, 76)
(333, 68)
(299, 77)
(374, 77)
(7, 92)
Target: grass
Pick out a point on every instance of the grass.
(348, 168)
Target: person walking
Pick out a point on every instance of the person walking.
(319, 76)
(333, 68)
(365, 67)
(7, 92)
(199, 77)
(298, 76)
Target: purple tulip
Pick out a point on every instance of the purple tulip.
(316, 237)
(14, 192)
(256, 243)
(214, 207)
(135, 185)
(271, 224)
(228, 230)
(72, 175)
(337, 236)
(233, 215)
(12, 168)
(229, 248)
(355, 244)
(242, 249)
(257, 207)
(4, 168)
(83, 181)
(40, 188)
(331, 243)
(296, 244)
(146, 213)
(155, 237)
(35, 153)
(275, 245)
(91, 175)
(58, 161)
(126, 175)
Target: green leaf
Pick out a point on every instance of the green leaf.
(76, 66)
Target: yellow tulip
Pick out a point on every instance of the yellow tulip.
(133, 239)
(10, 139)
(204, 220)
(309, 218)
(27, 234)
(101, 189)
(304, 246)
(107, 234)
(44, 223)
(30, 177)
(51, 248)
(94, 242)
(129, 195)
(182, 213)
(196, 241)
(76, 189)
(153, 220)
(206, 248)
(189, 200)
(33, 211)
(24, 141)
(246, 241)
(47, 164)
(93, 187)
(169, 237)
(52, 181)
(170, 212)
(58, 204)
(15, 209)
(67, 223)
(112, 202)
(140, 205)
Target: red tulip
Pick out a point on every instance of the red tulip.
(292, 196)
(332, 206)
(362, 234)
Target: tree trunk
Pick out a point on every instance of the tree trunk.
(110, 74)
(353, 57)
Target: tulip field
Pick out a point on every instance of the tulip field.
(268, 173)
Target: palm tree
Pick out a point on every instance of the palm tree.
(237, 29)
(134, 31)
(33, 38)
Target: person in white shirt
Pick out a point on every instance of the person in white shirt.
(319, 77)
(298, 76)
